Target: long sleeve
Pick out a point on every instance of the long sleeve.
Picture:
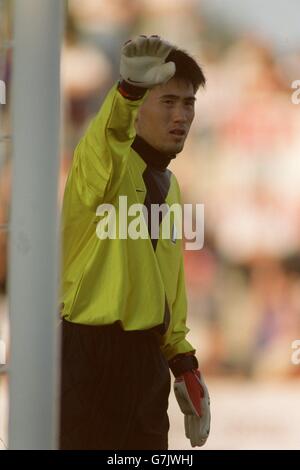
(175, 341)
(101, 156)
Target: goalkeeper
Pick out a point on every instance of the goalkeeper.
(123, 299)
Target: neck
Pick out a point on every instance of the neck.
(150, 155)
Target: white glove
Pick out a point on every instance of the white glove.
(193, 399)
(143, 61)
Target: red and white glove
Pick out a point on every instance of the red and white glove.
(193, 398)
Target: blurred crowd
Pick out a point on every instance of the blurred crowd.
(241, 161)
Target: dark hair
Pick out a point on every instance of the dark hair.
(187, 68)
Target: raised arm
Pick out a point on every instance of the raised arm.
(101, 156)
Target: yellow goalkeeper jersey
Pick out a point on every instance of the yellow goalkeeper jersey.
(136, 280)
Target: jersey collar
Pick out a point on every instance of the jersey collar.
(150, 155)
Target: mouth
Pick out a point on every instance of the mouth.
(178, 132)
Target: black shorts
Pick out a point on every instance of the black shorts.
(115, 386)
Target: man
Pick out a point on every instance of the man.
(124, 301)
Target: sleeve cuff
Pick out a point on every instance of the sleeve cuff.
(131, 92)
(183, 363)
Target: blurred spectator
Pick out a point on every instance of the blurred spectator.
(86, 75)
(105, 24)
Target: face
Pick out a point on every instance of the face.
(165, 117)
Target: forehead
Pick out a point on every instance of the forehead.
(176, 87)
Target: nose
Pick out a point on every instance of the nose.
(180, 115)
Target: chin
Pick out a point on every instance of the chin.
(175, 148)
(172, 148)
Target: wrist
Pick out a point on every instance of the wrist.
(131, 92)
(183, 363)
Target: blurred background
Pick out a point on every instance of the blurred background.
(242, 160)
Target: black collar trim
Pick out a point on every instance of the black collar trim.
(150, 155)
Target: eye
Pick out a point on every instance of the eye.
(168, 102)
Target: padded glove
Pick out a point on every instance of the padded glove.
(193, 399)
(143, 61)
